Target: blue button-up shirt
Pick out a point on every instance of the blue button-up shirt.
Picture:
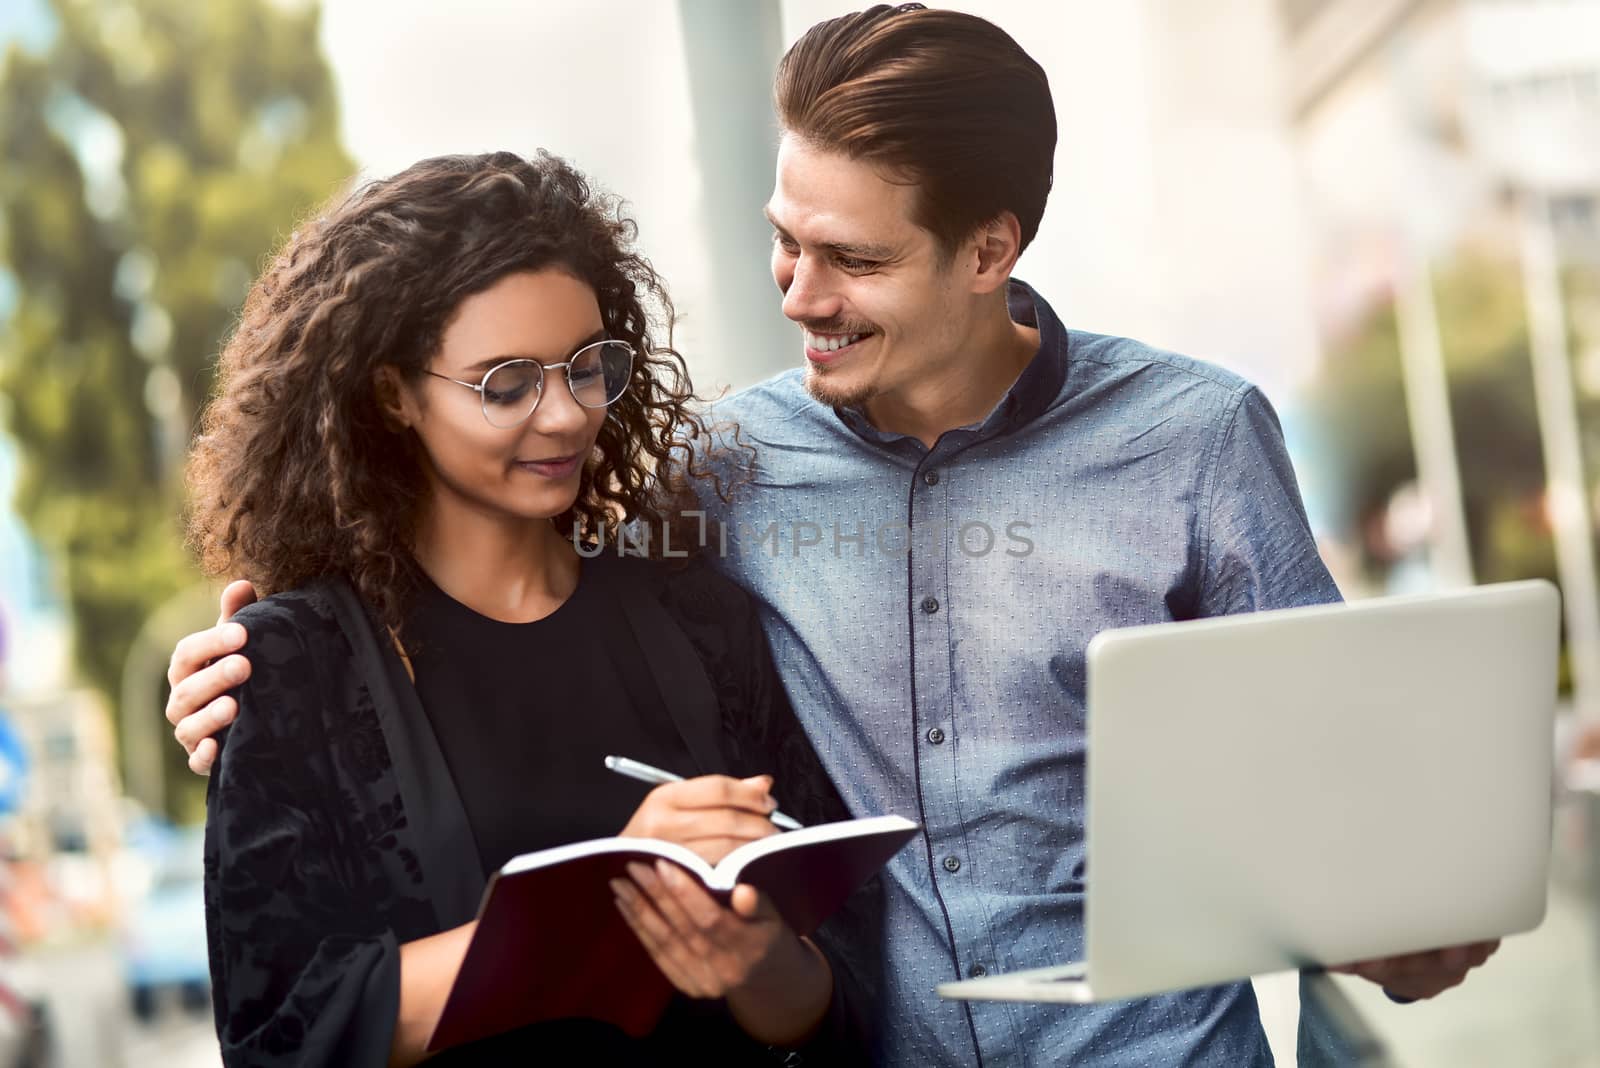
(929, 610)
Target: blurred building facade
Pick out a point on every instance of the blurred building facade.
(1428, 116)
(70, 821)
(1436, 132)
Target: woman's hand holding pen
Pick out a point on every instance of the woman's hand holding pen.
(777, 985)
(712, 814)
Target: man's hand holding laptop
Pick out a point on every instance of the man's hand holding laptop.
(1416, 976)
(1237, 833)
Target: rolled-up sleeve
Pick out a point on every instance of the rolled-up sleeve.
(1257, 551)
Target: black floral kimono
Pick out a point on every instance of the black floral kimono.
(335, 831)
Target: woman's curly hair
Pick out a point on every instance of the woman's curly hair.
(296, 474)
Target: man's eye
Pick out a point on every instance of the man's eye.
(850, 264)
(786, 243)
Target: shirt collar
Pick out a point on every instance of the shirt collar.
(1029, 396)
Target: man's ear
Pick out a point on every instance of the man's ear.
(394, 400)
(999, 243)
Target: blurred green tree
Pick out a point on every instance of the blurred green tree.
(154, 152)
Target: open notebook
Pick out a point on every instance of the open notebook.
(550, 943)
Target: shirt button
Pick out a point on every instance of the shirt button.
(952, 863)
(978, 971)
(935, 735)
(930, 605)
(931, 478)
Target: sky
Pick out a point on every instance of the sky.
(25, 21)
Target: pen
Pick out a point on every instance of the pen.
(655, 776)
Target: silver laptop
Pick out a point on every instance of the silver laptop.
(1310, 786)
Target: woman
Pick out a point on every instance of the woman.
(436, 391)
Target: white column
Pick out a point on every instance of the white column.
(731, 49)
(1421, 351)
(1563, 455)
(1428, 409)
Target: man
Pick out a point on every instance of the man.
(948, 502)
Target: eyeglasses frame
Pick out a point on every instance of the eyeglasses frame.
(544, 369)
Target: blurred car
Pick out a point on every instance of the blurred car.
(24, 1017)
(164, 937)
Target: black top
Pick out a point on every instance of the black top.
(526, 713)
(336, 829)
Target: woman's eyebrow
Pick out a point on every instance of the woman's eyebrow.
(491, 361)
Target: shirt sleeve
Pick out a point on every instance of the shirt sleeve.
(302, 971)
(1256, 547)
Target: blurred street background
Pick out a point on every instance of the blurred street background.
(1384, 212)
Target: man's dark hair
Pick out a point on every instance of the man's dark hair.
(939, 99)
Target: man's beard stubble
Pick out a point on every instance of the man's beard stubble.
(825, 388)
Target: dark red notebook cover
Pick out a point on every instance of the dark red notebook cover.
(551, 944)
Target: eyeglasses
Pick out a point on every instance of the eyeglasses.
(597, 374)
